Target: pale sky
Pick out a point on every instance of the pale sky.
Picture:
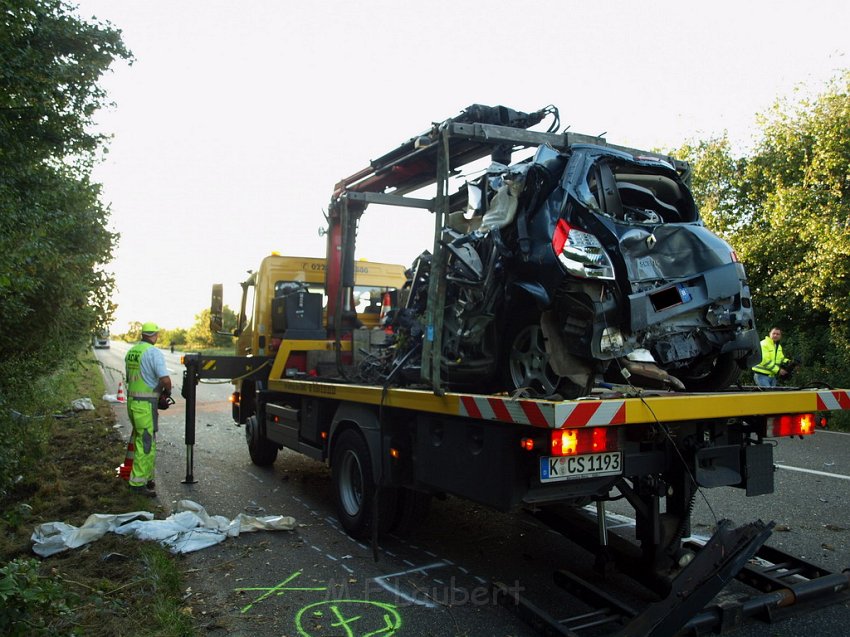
(237, 118)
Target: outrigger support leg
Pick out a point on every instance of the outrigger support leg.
(604, 562)
(662, 554)
(190, 382)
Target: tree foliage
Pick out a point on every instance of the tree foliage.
(54, 242)
(200, 335)
(785, 208)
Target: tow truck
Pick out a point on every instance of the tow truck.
(390, 447)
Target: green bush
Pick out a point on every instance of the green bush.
(31, 604)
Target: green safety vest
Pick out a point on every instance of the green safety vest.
(771, 357)
(136, 386)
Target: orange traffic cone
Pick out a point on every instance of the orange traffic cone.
(126, 467)
(120, 398)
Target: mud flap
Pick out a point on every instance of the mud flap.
(723, 556)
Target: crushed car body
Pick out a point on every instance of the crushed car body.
(578, 265)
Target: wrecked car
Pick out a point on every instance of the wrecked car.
(581, 266)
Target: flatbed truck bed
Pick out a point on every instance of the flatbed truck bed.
(391, 448)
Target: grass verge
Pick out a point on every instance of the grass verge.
(114, 586)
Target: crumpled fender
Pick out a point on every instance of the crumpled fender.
(536, 291)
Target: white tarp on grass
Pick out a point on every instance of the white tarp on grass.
(189, 529)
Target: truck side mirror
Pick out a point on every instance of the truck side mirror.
(216, 308)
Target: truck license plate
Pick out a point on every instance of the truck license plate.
(555, 468)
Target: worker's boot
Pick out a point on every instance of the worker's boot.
(144, 490)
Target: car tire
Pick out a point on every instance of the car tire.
(716, 375)
(354, 487)
(525, 364)
(263, 452)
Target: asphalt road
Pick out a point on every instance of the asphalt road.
(317, 581)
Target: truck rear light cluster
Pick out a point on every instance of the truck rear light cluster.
(235, 397)
(791, 425)
(570, 442)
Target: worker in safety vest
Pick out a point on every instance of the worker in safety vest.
(147, 379)
(769, 370)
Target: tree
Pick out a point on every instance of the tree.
(200, 336)
(54, 243)
(134, 332)
(798, 177)
(786, 211)
(174, 337)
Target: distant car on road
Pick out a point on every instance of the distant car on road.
(100, 339)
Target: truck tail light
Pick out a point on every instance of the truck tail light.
(791, 425)
(570, 442)
(581, 253)
(235, 397)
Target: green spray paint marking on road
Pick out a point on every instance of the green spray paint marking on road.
(389, 617)
(278, 589)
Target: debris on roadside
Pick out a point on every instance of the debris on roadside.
(82, 404)
(189, 529)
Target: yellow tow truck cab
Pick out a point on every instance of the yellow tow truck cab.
(287, 295)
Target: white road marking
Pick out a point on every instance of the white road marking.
(381, 581)
(813, 472)
(248, 473)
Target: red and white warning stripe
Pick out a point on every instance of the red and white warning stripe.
(545, 414)
(521, 412)
(833, 400)
(591, 413)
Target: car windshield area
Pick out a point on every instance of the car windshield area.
(640, 192)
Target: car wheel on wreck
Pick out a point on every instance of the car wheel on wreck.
(712, 375)
(526, 365)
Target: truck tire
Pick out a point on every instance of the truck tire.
(354, 487)
(411, 510)
(263, 452)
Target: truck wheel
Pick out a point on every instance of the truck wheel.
(411, 511)
(354, 487)
(262, 451)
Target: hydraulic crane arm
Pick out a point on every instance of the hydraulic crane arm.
(413, 165)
